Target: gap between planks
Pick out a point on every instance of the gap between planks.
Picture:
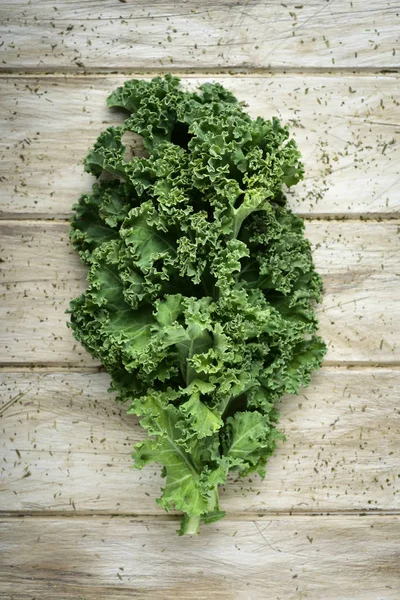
(196, 71)
(231, 516)
(62, 218)
(48, 367)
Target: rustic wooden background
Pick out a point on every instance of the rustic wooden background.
(76, 522)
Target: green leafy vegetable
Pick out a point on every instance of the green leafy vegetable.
(200, 286)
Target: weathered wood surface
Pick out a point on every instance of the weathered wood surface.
(347, 128)
(334, 558)
(329, 68)
(66, 447)
(41, 273)
(110, 34)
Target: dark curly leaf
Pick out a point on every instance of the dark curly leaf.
(201, 287)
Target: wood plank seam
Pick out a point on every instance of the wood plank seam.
(196, 71)
(379, 217)
(200, 72)
(55, 366)
(25, 367)
(230, 516)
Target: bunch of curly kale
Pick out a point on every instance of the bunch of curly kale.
(201, 284)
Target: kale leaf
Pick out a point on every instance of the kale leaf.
(201, 284)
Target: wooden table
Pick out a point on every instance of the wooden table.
(76, 521)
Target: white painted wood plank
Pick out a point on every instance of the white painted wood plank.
(347, 128)
(106, 34)
(66, 446)
(359, 262)
(38, 278)
(97, 559)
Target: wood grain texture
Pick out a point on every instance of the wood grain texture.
(41, 273)
(66, 446)
(97, 559)
(328, 68)
(347, 128)
(109, 34)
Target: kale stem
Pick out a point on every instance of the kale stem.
(191, 527)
